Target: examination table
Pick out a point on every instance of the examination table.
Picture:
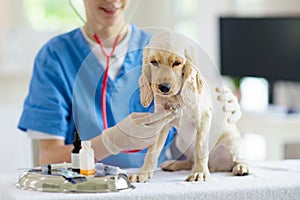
(268, 180)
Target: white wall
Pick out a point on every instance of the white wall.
(15, 146)
(17, 51)
(268, 7)
(152, 13)
(207, 20)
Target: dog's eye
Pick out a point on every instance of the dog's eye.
(154, 62)
(176, 63)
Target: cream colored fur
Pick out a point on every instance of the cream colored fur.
(194, 123)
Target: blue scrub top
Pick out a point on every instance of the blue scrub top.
(65, 92)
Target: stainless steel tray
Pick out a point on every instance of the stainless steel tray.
(50, 183)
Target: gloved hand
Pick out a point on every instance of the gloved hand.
(137, 131)
(231, 105)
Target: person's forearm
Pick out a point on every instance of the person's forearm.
(54, 153)
(99, 149)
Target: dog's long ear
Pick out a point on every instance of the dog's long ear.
(192, 83)
(146, 94)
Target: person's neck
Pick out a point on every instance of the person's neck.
(108, 34)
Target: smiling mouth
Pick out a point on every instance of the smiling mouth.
(111, 8)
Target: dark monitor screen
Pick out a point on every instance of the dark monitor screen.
(266, 47)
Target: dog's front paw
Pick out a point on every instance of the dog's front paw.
(241, 169)
(198, 176)
(140, 177)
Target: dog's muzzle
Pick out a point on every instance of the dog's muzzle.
(164, 87)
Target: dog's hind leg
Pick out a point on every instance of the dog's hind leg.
(180, 164)
(233, 140)
(175, 165)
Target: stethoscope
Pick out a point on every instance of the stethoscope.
(105, 77)
(108, 56)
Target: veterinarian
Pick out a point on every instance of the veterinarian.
(56, 104)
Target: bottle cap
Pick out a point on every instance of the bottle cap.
(77, 141)
(86, 143)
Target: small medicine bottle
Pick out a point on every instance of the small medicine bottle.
(87, 162)
(75, 159)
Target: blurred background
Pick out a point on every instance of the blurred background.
(270, 123)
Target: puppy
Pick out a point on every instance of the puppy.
(168, 77)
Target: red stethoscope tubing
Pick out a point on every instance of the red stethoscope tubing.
(105, 77)
(104, 83)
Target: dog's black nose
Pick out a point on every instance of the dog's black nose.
(164, 87)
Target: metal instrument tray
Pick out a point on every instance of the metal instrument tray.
(52, 183)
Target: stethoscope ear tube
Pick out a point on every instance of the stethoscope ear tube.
(76, 12)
